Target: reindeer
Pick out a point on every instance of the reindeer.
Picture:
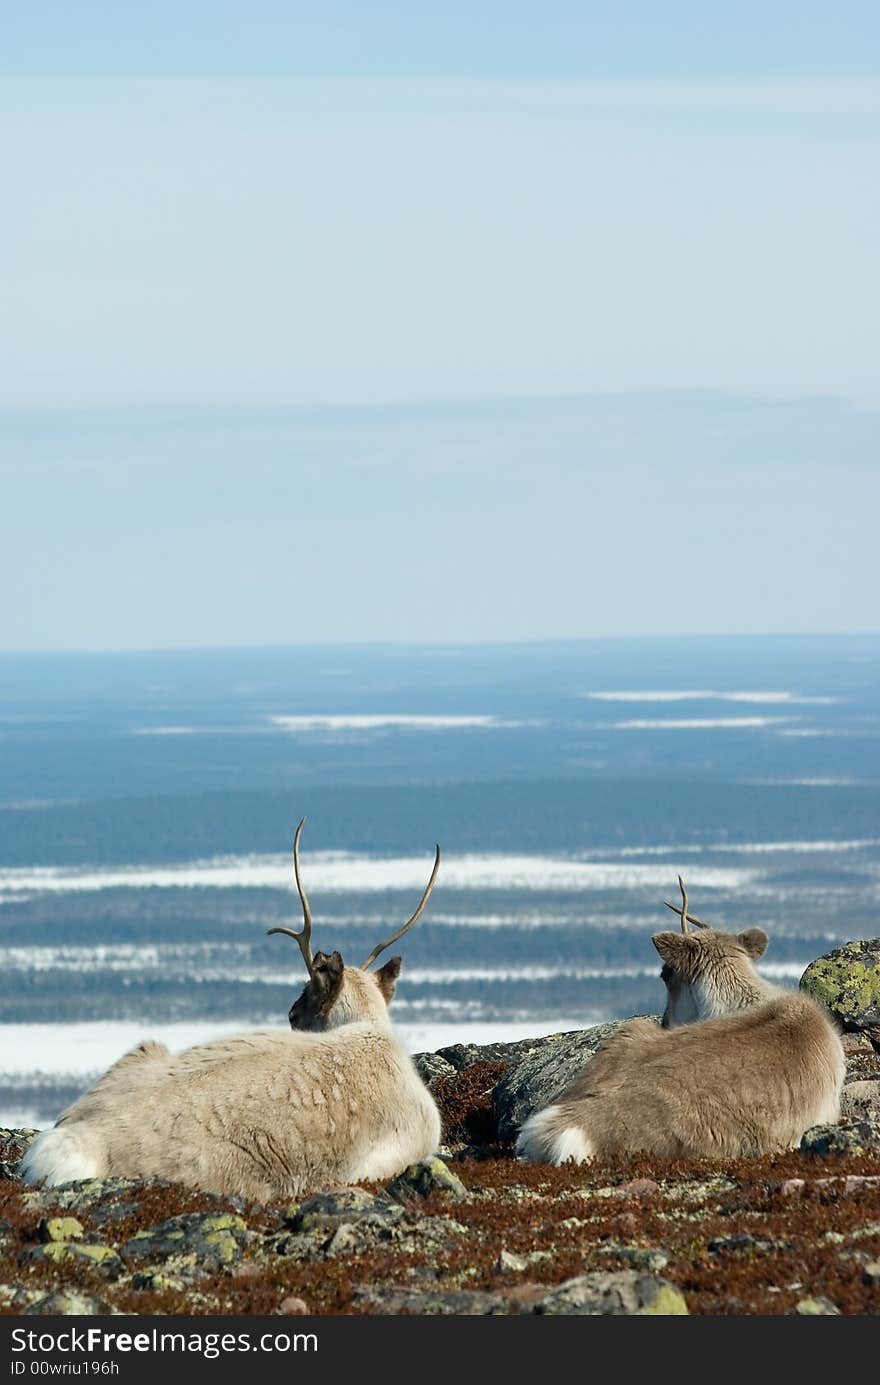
(268, 1114)
(738, 1068)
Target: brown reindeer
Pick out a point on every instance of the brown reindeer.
(739, 1067)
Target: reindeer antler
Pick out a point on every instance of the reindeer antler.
(380, 947)
(304, 936)
(681, 910)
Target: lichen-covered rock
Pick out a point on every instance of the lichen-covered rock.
(818, 1307)
(462, 1056)
(326, 1211)
(430, 1178)
(60, 1229)
(858, 1137)
(431, 1067)
(393, 1298)
(541, 1076)
(157, 1281)
(861, 1101)
(871, 1272)
(94, 1254)
(847, 981)
(103, 1199)
(616, 1293)
(13, 1144)
(71, 1303)
(637, 1257)
(517, 1262)
(194, 1241)
(745, 1244)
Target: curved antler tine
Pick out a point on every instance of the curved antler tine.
(414, 918)
(691, 918)
(682, 909)
(684, 905)
(304, 936)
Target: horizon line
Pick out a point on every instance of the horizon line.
(447, 645)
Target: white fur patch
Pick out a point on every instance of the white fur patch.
(572, 1143)
(541, 1141)
(57, 1156)
(386, 1158)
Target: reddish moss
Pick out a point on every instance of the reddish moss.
(465, 1104)
(526, 1207)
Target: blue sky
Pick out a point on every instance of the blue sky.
(393, 38)
(262, 263)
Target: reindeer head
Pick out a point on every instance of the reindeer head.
(708, 973)
(336, 994)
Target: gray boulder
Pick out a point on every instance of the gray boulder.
(71, 1303)
(861, 1101)
(816, 1307)
(847, 981)
(859, 1137)
(390, 1299)
(544, 1074)
(431, 1067)
(461, 1056)
(429, 1178)
(614, 1293)
(327, 1211)
(200, 1242)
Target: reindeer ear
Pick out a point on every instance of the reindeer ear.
(754, 941)
(387, 978)
(673, 947)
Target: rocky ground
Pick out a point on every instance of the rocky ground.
(476, 1231)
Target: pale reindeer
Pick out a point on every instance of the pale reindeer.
(739, 1067)
(267, 1114)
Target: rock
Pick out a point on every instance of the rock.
(60, 1229)
(158, 1281)
(790, 1187)
(847, 982)
(638, 1257)
(343, 1240)
(855, 1138)
(860, 1101)
(292, 1304)
(431, 1067)
(816, 1307)
(871, 1272)
(745, 1244)
(462, 1056)
(103, 1199)
(71, 1303)
(200, 1241)
(616, 1293)
(639, 1187)
(393, 1299)
(57, 1252)
(516, 1263)
(326, 1211)
(856, 1044)
(544, 1074)
(13, 1144)
(430, 1178)
(852, 1183)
